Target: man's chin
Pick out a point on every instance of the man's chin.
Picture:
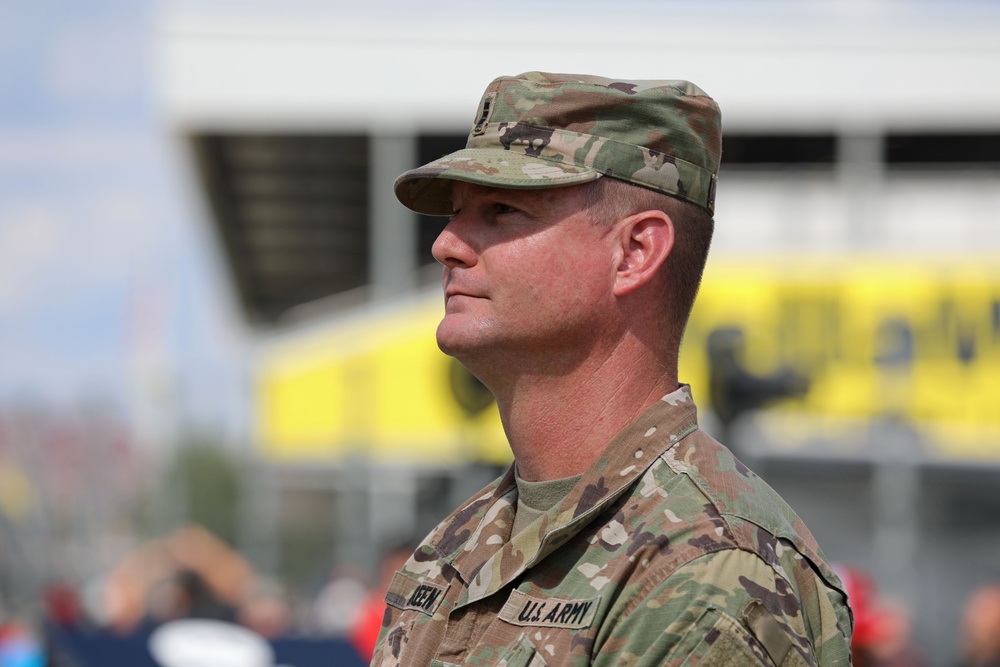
(452, 346)
(456, 340)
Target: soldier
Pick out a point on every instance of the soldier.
(581, 215)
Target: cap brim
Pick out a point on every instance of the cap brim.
(427, 189)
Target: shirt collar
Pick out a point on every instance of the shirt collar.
(491, 559)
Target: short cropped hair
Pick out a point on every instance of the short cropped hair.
(609, 199)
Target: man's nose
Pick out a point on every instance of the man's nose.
(451, 248)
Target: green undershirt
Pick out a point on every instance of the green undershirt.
(536, 498)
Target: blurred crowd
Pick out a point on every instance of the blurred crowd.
(883, 631)
(193, 574)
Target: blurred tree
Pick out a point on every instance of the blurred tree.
(206, 482)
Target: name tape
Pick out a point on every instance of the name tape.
(407, 593)
(522, 609)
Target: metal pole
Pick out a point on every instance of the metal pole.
(896, 496)
(392, 251)
(861, 181)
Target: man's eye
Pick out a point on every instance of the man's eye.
(499, 208)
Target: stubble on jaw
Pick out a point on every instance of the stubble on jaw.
(543, 297)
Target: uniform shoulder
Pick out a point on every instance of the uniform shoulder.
(733, 489)
(758, 518)
(726, 607)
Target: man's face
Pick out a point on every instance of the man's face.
(524, 271)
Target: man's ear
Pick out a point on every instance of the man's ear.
(646, 240)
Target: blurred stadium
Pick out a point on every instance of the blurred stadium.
(217, 356)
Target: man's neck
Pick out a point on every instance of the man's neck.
(558, 425)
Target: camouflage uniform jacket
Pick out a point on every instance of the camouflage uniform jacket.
(668, 551)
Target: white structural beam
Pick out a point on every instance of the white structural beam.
(396, 68)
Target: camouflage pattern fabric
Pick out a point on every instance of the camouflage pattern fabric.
(540, 130)
(668, 551)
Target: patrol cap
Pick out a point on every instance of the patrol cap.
(540, 130)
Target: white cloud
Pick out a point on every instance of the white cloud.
(85, 208)
(31, 239)
(98, 59)
(55, 251)
(123, 227)
(53, 148)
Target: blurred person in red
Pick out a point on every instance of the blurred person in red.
(861, 598)
(62, 605)
(891, 643)
(881, 629)
(980, 631)
(364, 631)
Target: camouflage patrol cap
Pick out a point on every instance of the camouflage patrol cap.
(539, 130)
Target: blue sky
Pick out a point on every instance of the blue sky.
(107, 263)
